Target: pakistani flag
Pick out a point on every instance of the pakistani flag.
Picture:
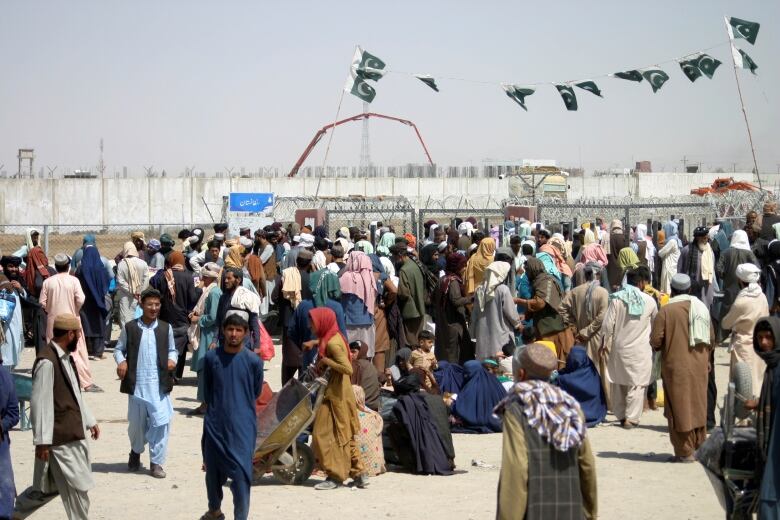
(567, 93)
(367, 66)
(690, 69)
(359, 87)
(428, 80)
(590, 86)
(742, 29)
(518, 93)
(656, 78)
(707, 64)
(630, 75)
(742, 60)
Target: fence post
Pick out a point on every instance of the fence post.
(46, 238)
(628, 218)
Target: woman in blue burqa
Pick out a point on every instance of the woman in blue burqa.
(580, 379)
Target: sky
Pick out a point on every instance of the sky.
(231, 84)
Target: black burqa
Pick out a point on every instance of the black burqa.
(417, 439)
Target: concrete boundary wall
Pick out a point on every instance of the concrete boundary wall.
(177, 200)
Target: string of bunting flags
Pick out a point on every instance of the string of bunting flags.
(367, 68)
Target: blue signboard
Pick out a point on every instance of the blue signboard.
(252, 202)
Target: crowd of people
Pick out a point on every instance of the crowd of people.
(464, 329)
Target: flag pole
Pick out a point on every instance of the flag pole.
(742, 105)
(330, 139)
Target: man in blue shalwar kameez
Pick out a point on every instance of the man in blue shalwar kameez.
(9, 416)
(146, 356)
(233, 378)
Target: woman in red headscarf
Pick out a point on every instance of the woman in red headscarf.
(336, 422)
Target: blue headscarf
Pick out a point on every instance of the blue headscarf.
(93, 273)
(670, 230)
(581, 380)
(89, 240)
(481, 392)
(723, 236)
(449, 377)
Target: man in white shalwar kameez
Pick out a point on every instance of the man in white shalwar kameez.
(628, 321)
(145, 355)
(741, 319)
(62, 461)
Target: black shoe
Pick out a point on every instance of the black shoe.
(134, 462)
(156, 471)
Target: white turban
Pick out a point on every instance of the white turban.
(748, 273)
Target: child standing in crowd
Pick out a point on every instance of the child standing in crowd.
(423, 356)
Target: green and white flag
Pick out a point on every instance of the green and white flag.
(630, 75)
(567, 93)
(690, 69)
(518, 93)
(742, 29)
(367, 66)
(656, 78)
(707, 64)
(742, 60)
(590, 86)
(359, 87)
(428, 80)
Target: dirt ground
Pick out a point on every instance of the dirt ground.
(634, 481)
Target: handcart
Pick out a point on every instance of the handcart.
(279, 426)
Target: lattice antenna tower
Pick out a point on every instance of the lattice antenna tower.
(365, 147)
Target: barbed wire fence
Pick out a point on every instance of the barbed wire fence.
(408, 216)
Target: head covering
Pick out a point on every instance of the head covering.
(681, 282)
(210, 270)
(324, 286)
(588, 237)
(593, 252)
(749, 274)
(219, 237)
(411, 240)
(358, 279)
(247, 243)
(67, 321)
(551, 412)
(325, 326)
(360, 398)
(61, 259)
(481, 393)
(700, 231)
(426, 257)
(538, 361)
(154, 245)
(234, 258)
(449, 377)
(641, 232)
(557, 256)
(28, 238)
(37, 263)
(495, 274)
(454, 267)
(465, 228)
(580, 379)
(89, 240)
(739, 240)
(766, 404)
(176, 258)
(93, 274)
(477, 263)
(627, 259)
(138, 235)
(544, 285)
(15, 260)
(769, 207)
(167, 240)
(670, 231)
(321, 232)
(307, 240)
(129, 250)
(305, 254)
(386, 241)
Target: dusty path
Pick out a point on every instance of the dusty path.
(634, 481)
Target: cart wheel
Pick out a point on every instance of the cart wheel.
(300, 471)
